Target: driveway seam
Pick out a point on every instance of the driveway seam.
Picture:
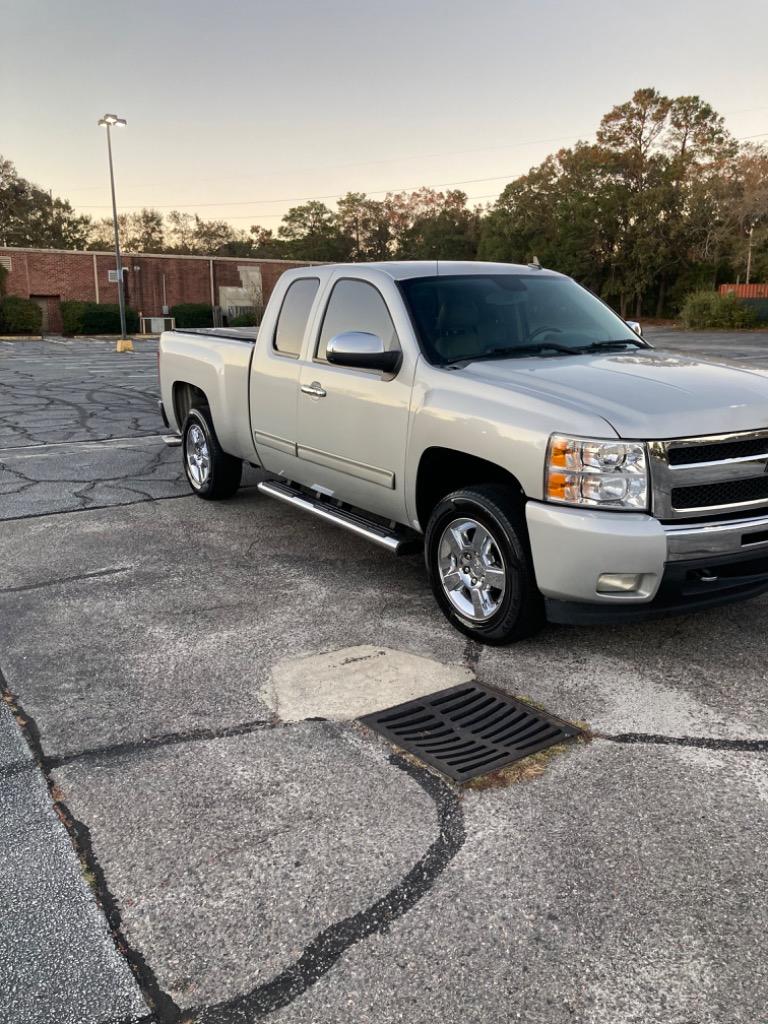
(96, 574)
(164, 1009)
(91, 508)
(705, 742)
(153, 742)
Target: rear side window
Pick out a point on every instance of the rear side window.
(356, 306)
(293, 315)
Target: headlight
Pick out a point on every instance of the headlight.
(602, 474)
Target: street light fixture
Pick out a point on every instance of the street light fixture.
(109, 121)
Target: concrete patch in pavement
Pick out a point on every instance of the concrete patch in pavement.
(354, 681)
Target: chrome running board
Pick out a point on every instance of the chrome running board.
(397, 542)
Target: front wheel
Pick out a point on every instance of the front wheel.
(212, 474)
(479, 565)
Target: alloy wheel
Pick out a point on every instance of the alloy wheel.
(197, 456)
(472, 570)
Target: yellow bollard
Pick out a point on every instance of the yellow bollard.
(124, 345)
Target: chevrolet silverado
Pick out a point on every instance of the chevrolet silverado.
(550, 463)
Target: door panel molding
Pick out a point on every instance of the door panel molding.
(280, 444)
(371, 474)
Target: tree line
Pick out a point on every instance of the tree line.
(663, 202)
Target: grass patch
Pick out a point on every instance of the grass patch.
(528, 768)
(90, 878)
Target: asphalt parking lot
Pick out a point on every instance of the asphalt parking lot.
(197, 828)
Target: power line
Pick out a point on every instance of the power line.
(307, 199)
(395, 159)
(357, 163)
(336, 195)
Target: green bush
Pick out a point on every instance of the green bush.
(20, 316)
(193, 314)
(96, 318)
(72, 311)
(711, 309)
(252, 319)
(104, 318)
(760, 307)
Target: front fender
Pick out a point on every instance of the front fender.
(508, 428)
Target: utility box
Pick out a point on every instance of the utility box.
(156, 324)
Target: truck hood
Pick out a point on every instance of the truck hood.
(648, 394)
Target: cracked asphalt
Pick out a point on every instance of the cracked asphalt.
(174, 851)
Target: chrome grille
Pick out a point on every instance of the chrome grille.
(718, 451)
(731, 492)
(705, 476)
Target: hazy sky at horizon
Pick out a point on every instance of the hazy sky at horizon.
(239, 110)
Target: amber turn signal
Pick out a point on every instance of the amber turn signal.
(556, 484)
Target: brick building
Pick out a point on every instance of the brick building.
(152, 283)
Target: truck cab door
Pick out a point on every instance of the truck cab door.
(352, 424)
(274, 381)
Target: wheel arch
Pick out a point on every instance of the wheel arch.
(442, 470)
(185, 396)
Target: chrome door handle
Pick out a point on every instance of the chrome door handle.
(314, 389)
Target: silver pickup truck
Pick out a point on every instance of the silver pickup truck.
(547, 460)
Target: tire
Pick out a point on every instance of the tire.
(479, 534)
(212, 474)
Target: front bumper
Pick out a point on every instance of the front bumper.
(683, 566)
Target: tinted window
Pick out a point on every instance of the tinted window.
(487, 316)
(356, 306)
(293, 316)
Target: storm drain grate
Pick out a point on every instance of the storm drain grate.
(469, 729)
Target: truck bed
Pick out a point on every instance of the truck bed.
(247, 334)
(216, 361)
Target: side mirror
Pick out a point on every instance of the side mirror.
(363, 351)
(634, 326)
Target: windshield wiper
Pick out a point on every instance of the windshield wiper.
(513, 351)
(603, 346)
(520, 350)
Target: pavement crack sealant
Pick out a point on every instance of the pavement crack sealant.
(324, 951)
(164, 1009)
(704, 742)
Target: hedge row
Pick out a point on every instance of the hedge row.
(20, 316)
(711, 309)
(252, 319)
(96, 318)
(193, 314)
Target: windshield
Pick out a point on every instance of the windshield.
(478, 316)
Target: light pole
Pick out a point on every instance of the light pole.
(749, 252)
(124, 344)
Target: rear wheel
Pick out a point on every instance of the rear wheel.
(212, 474)
(479, 565)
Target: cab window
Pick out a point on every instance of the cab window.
(293, 316)
(356, 306)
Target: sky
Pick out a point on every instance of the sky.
(239, 109)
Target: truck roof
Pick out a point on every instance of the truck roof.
(400, 269)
